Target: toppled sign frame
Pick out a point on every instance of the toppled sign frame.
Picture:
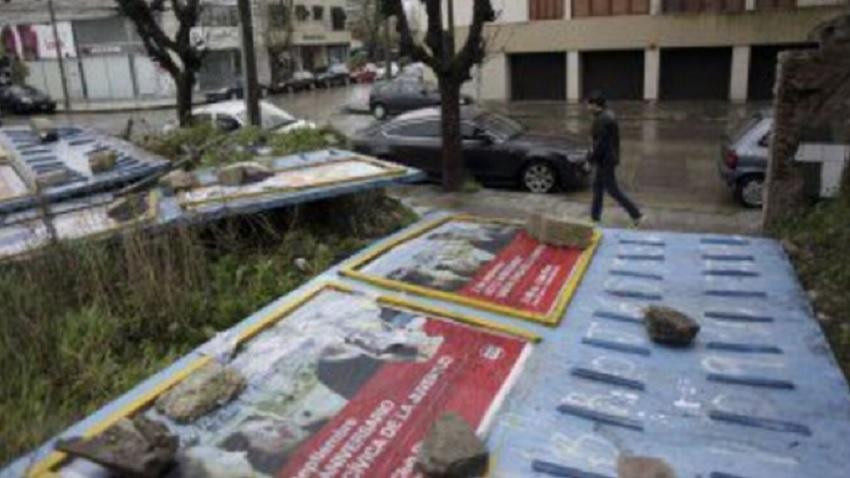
(552, 317)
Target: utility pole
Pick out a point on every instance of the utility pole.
(249, 64)
(58, 46)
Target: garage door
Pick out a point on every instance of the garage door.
(763, 69)
(695, 73)
(617, 74)
(539, 76)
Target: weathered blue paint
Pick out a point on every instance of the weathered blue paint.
(557, 422)
(70, 153)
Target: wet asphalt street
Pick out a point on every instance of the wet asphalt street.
(669, 154)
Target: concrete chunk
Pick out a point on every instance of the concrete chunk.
(202, 392)
(127, 208)
(138, 448)
(643, 467)
(452, 450)
(179, 180)
(246, 172)
(102, 161)
(558, 231)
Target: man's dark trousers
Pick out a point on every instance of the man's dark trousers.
(606, 180)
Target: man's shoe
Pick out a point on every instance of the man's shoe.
(637, 221)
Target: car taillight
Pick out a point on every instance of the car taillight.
(731, 159)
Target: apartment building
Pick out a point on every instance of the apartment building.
(304, 34)
(639, 49)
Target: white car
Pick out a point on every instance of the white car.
(231, 115)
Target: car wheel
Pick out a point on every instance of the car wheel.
(379, 111)
(750, 191)
(539, 177)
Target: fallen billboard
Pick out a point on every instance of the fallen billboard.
(490, 264)
(337, 384)
(288, 177)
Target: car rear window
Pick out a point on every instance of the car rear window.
(739, 132)
(423, 129)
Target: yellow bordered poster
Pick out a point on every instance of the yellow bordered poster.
(346, 384)
(489, 264)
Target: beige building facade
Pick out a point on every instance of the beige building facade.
(639, 49)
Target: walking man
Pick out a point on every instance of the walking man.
(604, 157)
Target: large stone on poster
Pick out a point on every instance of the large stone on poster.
(179, 180)
(245, 172)
(451, 449)
(643, 467)
(668, 326)
(558, 231)
(203, 391)
(102, 161)
(137, 448)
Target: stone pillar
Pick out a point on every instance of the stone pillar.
(740, 73)
(493, 82)
(573, 77)
(750, 5)
(655, 7)
(651, 73)
(568, 9)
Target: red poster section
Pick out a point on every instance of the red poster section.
(527, 275)
(378, 432)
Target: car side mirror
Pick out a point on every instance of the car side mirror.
(226, 124)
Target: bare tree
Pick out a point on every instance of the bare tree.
(178, 55)
(451, 66)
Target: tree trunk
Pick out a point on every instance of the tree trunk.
(185, 83)
(453, 168)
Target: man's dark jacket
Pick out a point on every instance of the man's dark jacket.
(606, 140)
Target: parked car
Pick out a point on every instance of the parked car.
(231, 115)
(22, 99)
(743, 160)
(300, 80)
(403, 94)
(232, 92)
(496, 149)
(336, 74)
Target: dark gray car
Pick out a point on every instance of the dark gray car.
(743, 160)
(403, 94)
(496, 149)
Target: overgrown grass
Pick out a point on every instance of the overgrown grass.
(81, 324)
(235, 146)
(818, 242)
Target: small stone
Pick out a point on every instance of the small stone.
(52, 177)
(202, 392)
(669, 326)
(452, 450)
(139, 447)
(643, 467)
(246, 172)
(127, 208)
(102, 161)
(44, 129)
(179, 180)
(558, 231)
(302, 265)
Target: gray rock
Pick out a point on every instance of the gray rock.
(139, 447)
(558, 231)
(200, 393)
(669, 326)
(246, 172)
(643, 467)
(452, 450)
(179, 180)
(102, 161)
(128, 208)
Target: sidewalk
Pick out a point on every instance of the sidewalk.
(134, 104)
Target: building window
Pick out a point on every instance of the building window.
(318, 12)
(702, 6)
(218, 16)
(338, 18)
(545, 9)
(301, 13)
(595, 8)
(278, 15)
